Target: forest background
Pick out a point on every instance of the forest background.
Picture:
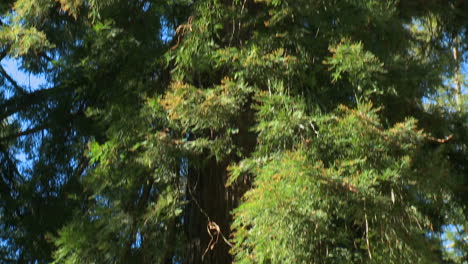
(233, 131)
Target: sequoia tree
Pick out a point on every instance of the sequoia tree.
(234, 131)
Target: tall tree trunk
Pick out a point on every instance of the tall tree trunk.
(209, 200)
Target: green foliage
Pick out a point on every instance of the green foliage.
(23, 40)
(246, 131)
(197, 111)
(361, 66)
(342, 196)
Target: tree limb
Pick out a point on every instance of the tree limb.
(11, 80)
(4, 53)
(19, 103)
(24, 133)
(44, 55)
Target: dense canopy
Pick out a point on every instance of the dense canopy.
(234, 131)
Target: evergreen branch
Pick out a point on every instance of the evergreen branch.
(19, 103)
(4, 53)
(438, 140)
(182, 30)
(24, 133)
(8, 260)
(11, 80)
(10, 163)
(82, 165)
(44, 55)
(341, 185)
(146, 194)
(6, 189)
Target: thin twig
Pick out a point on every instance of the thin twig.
(239, 27)
(367, 231)
(438, 140)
